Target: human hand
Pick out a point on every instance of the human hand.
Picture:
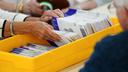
(32, 7)
(40, 30)
(47, 15)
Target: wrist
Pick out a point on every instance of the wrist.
(3, 28)
(19, 28)
(32, 19)
(6, 32)
(22, 27)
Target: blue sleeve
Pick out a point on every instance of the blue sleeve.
(97, 58)
(110, 55)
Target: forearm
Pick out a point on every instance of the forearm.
(7, 6)
(18, 27)
(43, 19)
(88, 5)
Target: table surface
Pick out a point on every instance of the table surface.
(74, 68)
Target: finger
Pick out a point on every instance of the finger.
(42, 35)
(38, 10)
(59, 12)
(51, 27)
(36, 3)
(46, 18)
(38, 35)
(49, 35)
(54, 14)
(65, 10)
(47, 26)
(50, 13)
(49, 32)
(53, 35)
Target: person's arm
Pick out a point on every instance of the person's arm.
(40, 30)
(19, 17)
(100, 59)
(22, 17)
(91, 4)
(102, 2)
(7, 6)
(86, 5)
(10, 15)
(47, 15)
(110, 55)
(2, 25)
(28, 7)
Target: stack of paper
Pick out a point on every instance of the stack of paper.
(83, 22)
(66, 37)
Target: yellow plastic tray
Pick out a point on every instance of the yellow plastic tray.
(53, 60)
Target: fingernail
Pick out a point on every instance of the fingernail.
(50, 17)
(62, 15)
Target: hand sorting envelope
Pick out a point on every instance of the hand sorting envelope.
(75, 25)
(82, 22)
